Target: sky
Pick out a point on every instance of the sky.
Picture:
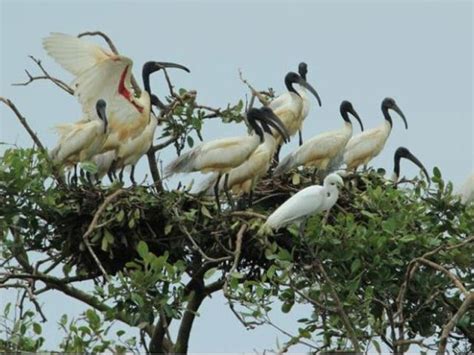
(418, 52)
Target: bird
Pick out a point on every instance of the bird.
(305, 203)
(101, 73)
(321, 149)
(80, 141)
(221, 155)
(244, 177)
(367, 145)
(289, 106)
(303, 71)
(403, 152)
(466, 191)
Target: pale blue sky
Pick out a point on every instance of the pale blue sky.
(418, 52)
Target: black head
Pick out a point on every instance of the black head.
(389, 104)
(303, 70)
(293, 78)
(271, 119)
(100, 107)
(403, 152)
(253, 115)
(345, 108)
(151, 67)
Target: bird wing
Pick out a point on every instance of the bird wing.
(77, 139)
(74, 54)
(109, 80)
(362, 144)
(323, 146)
(467, 190)
(303, 203)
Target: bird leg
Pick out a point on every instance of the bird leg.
(276, 157)
(216, 192)
(326, 216)
(74, 176)
(227, 192)
(300, 135)
(132, 177)
(250, 198)
(121, 174)
(302, 227)
(81, 174)
(313, 175)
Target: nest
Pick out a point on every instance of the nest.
(174, 222)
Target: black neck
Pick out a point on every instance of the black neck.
(289, 85)
(256, 128)
(387, 115)
(345, 115)
(396, 166)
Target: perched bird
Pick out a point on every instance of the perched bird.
(221, 155)
(304, 203)
(79, 142)
(321, 149)
(403, 152)
(244, 177)
(289, 107)
(367, 145)
(103, 74)
(466, 191)
(303, 72)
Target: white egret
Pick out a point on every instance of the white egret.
(80, 141)
(221, 155)
(309, 201)
(466, 191)
(403, 152)
(321, 149)
(367, 145)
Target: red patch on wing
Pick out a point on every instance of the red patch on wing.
(125, 93)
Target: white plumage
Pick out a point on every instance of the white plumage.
(321, 149)
(466, 191)
(304, 203)
(367, 145)
(80, 141)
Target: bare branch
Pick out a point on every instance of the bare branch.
(46, 76)
(25, 124)
(256, 93)
(452, 322)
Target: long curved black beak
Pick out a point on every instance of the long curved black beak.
(273, 120)
(305, 84)
(100, 107)
(397, 110)
(356, 115)
(415, 161)
(172, 65)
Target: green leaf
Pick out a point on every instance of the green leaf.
(37, 328)
(205, 212)
(90, 167)
(377, 346)
(190, 141)
(356, 264)
(209, 273)
(168, 229)
(120, 215)
(142, 249)
(236, 275)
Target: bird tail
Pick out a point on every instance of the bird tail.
(103, 162)
(182, 164)
(285, 165)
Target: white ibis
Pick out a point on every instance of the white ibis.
(466, 192)
(321, 149)
(403, 152)
(80, 141)
(243, 178)
(367, 145)
(221, 155)
(103, 74)
(309, 201)
(289, 106)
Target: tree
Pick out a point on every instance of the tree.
(390, 264)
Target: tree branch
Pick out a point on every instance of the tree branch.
(452, 322)
(46, 76)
